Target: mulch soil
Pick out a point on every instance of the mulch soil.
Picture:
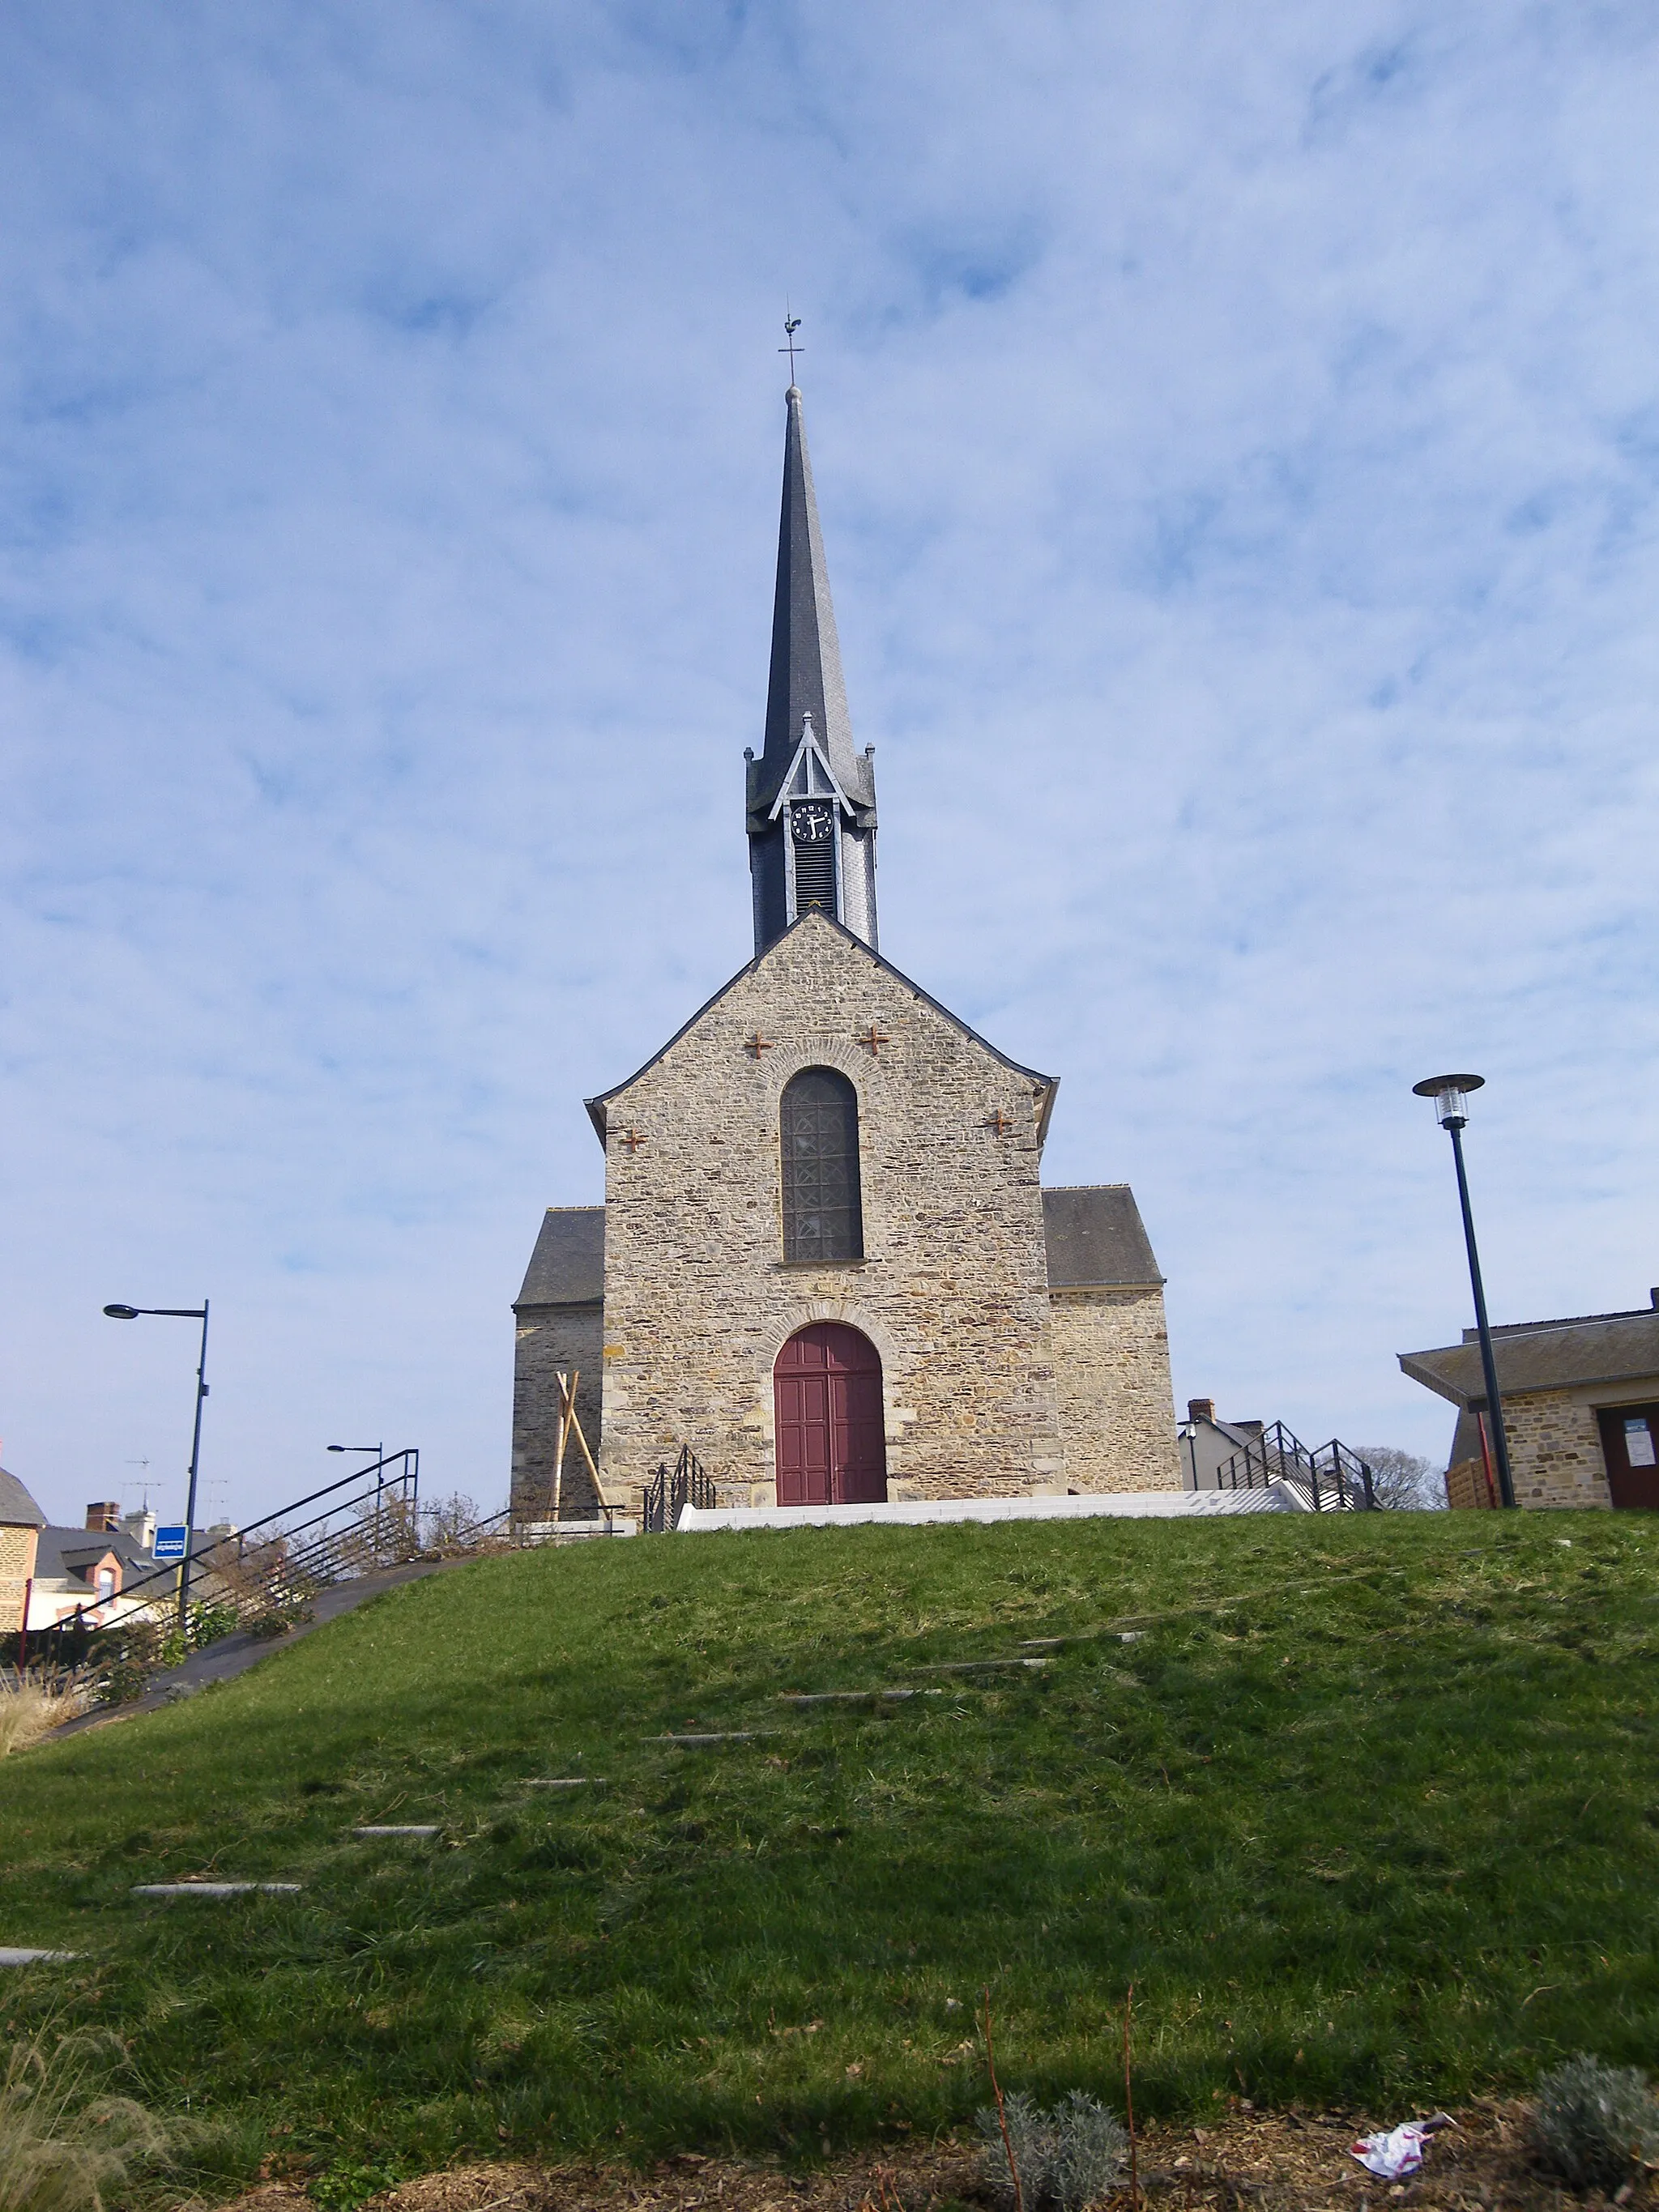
(1246, 2162)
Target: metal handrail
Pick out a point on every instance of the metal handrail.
(1329, 1478)
(667, 1496)
(292, 1570)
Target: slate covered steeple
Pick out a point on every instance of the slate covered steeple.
(811, 799)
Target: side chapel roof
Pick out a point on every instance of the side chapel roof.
(1097, 1239)
(567, 1267)
(17, 1509)
(597, 1108)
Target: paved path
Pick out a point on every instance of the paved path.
(233, 1655)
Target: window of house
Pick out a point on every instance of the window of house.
(105, 1583)
(822, 1218)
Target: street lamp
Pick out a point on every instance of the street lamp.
(1450, 1094)
(376, 1451)
(182, 1313)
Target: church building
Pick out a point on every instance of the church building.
(827, 1261)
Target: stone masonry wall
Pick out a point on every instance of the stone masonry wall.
(1555, 1449)
(17, 1549)
(550, 1340)
(953, 1287)
(1111, 1358)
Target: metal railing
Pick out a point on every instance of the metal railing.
(367, 1520)
(1328, 1478)
(667, 1496)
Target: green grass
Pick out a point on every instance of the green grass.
(1384, 1830)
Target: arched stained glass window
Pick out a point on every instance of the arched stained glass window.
(823, 1219)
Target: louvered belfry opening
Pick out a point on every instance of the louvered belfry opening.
(815, 877)
(822, 1218)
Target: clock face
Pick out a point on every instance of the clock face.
(811, 824)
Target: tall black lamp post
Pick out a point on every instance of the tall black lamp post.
(1450, 1094)
(182, 1313)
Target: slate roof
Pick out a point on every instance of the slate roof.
(567, 1267)
(598, 1109)
(1096, 1238)
(1545, 1355)
(807, 677)
(69, 1552)
(17, 1509)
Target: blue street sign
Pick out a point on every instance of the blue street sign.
(170, 1542)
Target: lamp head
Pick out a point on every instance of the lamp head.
(122, 1313)
(1450, 1094)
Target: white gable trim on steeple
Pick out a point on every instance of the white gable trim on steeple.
(810, 776)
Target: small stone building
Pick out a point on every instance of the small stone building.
(20, 1523)
(1581, 1409)
(826, 1262)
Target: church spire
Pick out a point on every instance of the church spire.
(811, 799)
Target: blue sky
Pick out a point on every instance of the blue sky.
(1237, 437)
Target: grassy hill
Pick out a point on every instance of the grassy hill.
(1367, 1812)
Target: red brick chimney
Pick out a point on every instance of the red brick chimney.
(1201, 1409)
(103, 1517)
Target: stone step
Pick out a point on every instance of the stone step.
(217, 1888)
(721, 1735)
(851, 1697)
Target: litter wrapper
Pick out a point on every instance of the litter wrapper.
(1399, 2151)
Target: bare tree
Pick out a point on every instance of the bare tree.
(1400, 1481)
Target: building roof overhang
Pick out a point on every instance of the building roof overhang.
(1601, 1351)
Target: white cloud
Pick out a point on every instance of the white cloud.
(1237, 438)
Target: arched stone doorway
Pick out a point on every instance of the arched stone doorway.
(832, 1447)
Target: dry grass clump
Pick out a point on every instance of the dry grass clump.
(1595, 2125)
(31, 1705)
(61, 2149)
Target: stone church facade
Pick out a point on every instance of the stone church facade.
(826, 1260)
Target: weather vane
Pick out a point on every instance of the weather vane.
(791, 324)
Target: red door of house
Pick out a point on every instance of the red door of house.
(1630, 1445)
(832, 1436)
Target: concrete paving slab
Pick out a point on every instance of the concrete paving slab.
(1134, 1505)
(12, 1957)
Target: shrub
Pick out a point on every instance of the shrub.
(1065, 2159)
(281, 1620)
(1595, 2125)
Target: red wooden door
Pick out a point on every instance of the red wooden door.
(1630, 1445)
(832, 1444)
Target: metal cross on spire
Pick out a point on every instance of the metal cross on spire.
(791, 324)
